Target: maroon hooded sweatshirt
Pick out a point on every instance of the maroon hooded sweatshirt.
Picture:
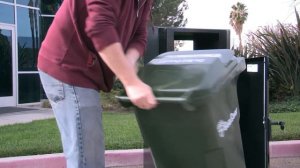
(81, 28)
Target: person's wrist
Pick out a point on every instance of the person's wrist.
(131, 81)
(132, 59)
(133, 55)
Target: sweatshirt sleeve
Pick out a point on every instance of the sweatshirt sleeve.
(139, 39)
(101, 22)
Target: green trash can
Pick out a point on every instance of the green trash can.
(196, 124)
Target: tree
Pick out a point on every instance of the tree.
(169, 13)
(238, 17)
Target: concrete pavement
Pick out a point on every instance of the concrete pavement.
(33, 113)
(285, 162)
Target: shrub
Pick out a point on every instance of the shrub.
(291, 104)
(109, 101)
(281, 44)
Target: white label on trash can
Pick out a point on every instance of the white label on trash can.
(223, 126)
(252, 68)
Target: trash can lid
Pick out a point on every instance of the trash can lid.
(225, 56)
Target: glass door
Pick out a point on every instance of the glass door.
(7, 66)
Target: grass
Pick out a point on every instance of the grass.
(29, 139)
(292, 126)
(121, 132)
(42, 137)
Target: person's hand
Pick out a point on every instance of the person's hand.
(141, 95)
(138, 92)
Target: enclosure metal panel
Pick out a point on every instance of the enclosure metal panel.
(254, 122)
(161, 39)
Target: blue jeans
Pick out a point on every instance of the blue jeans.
(78, 115)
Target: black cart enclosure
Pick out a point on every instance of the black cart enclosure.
(196, 124)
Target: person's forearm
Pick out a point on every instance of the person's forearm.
(113, 55)
(132, 55)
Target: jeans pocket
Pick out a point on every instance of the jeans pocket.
(53, 88)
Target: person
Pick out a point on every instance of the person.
(87, 45)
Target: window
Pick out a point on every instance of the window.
(29, 88)
(50, 7)
(7, 14)
(6, 81)
(34, 3)
(28, 38)
(12, 1)
(46, 22)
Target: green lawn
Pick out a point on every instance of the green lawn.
(41, 137)
(121, 132)
(29, 139)
(292, 126)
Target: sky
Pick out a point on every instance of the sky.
(214, 14)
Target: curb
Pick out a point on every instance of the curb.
(113, 158)
(38, 161)
(284, 149)
(127, 158)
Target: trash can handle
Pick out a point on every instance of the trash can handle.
(125, 101)
(159, 99)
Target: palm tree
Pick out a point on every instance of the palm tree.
(238, 17)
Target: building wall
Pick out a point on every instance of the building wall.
(23, 24)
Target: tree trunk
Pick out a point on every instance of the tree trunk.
(240, 44)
